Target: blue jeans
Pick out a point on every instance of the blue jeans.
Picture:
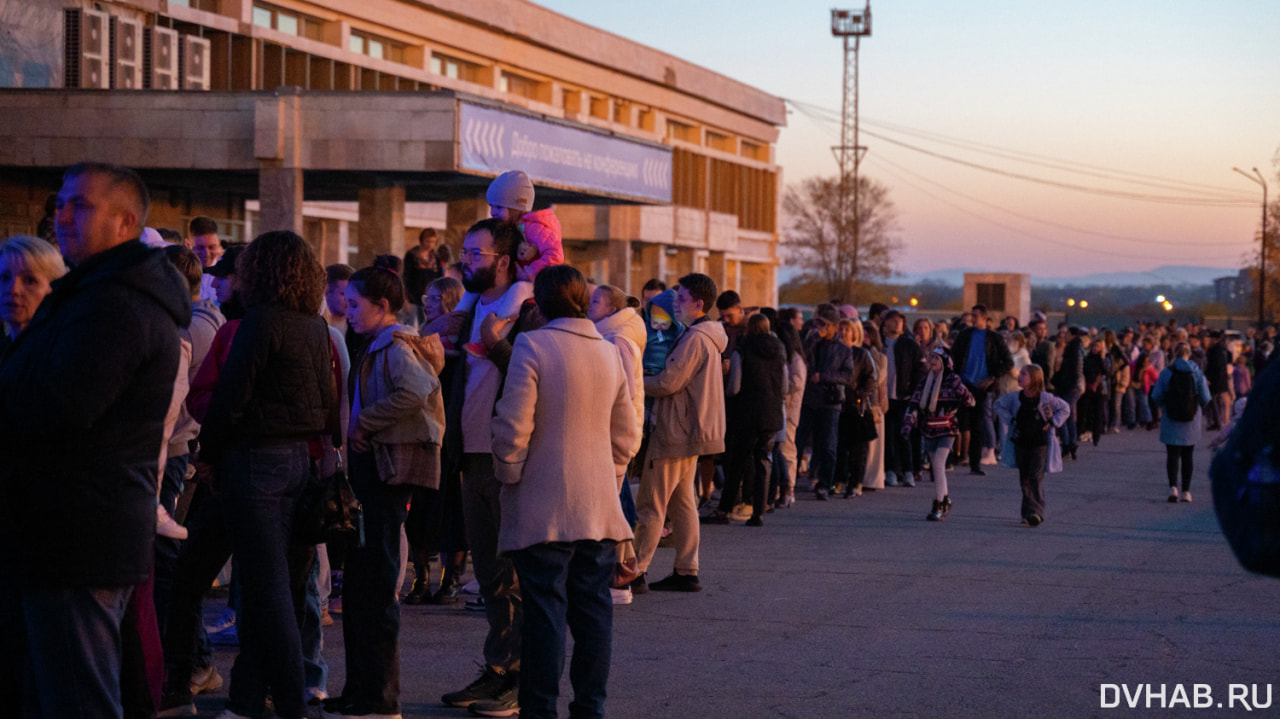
(260, 487)
(825, 426)
(371, 614)
(565, 583)
(1068, 433)
(61, 651)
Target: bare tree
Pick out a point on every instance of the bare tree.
(840, 260)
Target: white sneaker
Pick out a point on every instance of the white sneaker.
(471, 587)
(166, 527)
(989, 456)
(1186, 496)
(908, 482)
(621, 596)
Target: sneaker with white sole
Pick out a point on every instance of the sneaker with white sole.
(506, 704)
(620, 596)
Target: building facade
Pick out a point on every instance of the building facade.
(302, 115)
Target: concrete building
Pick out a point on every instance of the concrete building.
(1003, 294)
(397, 113)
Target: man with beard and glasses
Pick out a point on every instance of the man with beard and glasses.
(489, 271)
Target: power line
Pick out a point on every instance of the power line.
(1021, 231)
(1081, 230)
(1227, 198)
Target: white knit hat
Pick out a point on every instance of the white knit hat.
(511, 189)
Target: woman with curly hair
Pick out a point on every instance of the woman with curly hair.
(275, 393)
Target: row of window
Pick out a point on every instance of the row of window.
(301, 25)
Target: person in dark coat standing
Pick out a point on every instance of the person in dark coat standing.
(1218, 374)
(84, 390)
(906, 368)
(758, 381)
(1068, 384)
(981, 357)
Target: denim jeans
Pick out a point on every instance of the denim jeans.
(61, 650)
(371, 614)
(260, 487)
(565, 583)
(1068, 432)
(825, 424)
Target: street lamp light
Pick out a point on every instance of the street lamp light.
(1262, 258)
(1084, 304)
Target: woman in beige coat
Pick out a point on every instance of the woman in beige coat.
(562, 435)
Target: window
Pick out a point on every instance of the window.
(206, 5)
(991, 294)
(378, 47)
(716, 141)
(455, 68)
(521, 85)
(754, 151)
(286, 21)
(682, 132)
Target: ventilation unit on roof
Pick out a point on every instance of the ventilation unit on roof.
(195, 63)
(161, 58)
(87, 49)
(126, 54)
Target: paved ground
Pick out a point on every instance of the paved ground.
(861, 608)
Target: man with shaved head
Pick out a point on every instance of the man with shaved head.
(84, 390)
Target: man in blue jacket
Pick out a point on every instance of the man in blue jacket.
(83, 396)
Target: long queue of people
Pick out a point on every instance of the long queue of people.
(166, 410)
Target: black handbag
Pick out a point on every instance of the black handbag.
(328, 510)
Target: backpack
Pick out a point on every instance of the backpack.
(1181, 401)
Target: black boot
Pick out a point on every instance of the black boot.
(935, 514)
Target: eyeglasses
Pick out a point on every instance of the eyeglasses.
(471, 255)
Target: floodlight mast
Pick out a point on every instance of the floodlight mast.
(852, 26)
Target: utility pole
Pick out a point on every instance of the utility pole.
(1257, 178)
(852, 26)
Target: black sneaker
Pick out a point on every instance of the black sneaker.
(639, 585)
(447, 594)
(935, 514)
(489, 685)
(475, 605)
(946, 505)
(506, 704)
(677, 583)
(716, 517)
(755, 521)
(1034, 520)
(820, 494)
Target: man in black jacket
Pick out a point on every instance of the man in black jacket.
(981, 358)
(905, 368)
(83, 395)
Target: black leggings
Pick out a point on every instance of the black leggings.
(1176, 453)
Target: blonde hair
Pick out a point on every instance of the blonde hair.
(617, 298)
(450, 291)
(1035, 378)
(858, 334)
(40, 257)
(1182, 350)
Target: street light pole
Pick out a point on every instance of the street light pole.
(1262, 260)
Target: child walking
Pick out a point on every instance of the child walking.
(934, 404)
(1031, 445)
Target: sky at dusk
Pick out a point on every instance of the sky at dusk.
(1156, 98)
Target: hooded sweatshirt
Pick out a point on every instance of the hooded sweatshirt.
(688, 414)
(83, 395)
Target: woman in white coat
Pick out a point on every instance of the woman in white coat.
(1031, 444)
(562, 435)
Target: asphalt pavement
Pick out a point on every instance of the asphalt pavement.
(860, 607)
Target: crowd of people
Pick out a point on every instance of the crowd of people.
(176, 400)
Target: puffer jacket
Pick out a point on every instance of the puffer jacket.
(688, 412)
(542, 230)
(84, 390)
(625, 330)
(277, 383)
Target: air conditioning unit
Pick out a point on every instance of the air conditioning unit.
(126, 54)
(161, 58)
(194, 68)
(87, 49)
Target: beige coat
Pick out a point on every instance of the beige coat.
(563, 433)
(688, 415)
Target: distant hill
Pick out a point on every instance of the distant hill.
(1163, 275)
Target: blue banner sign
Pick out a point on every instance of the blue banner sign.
(494, 141)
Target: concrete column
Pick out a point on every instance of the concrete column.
(653, 264)
(280, 197)
(460, 215)
(619, 274)
(718, 270)
(381, 223)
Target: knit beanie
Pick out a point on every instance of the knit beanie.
(511, 189)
